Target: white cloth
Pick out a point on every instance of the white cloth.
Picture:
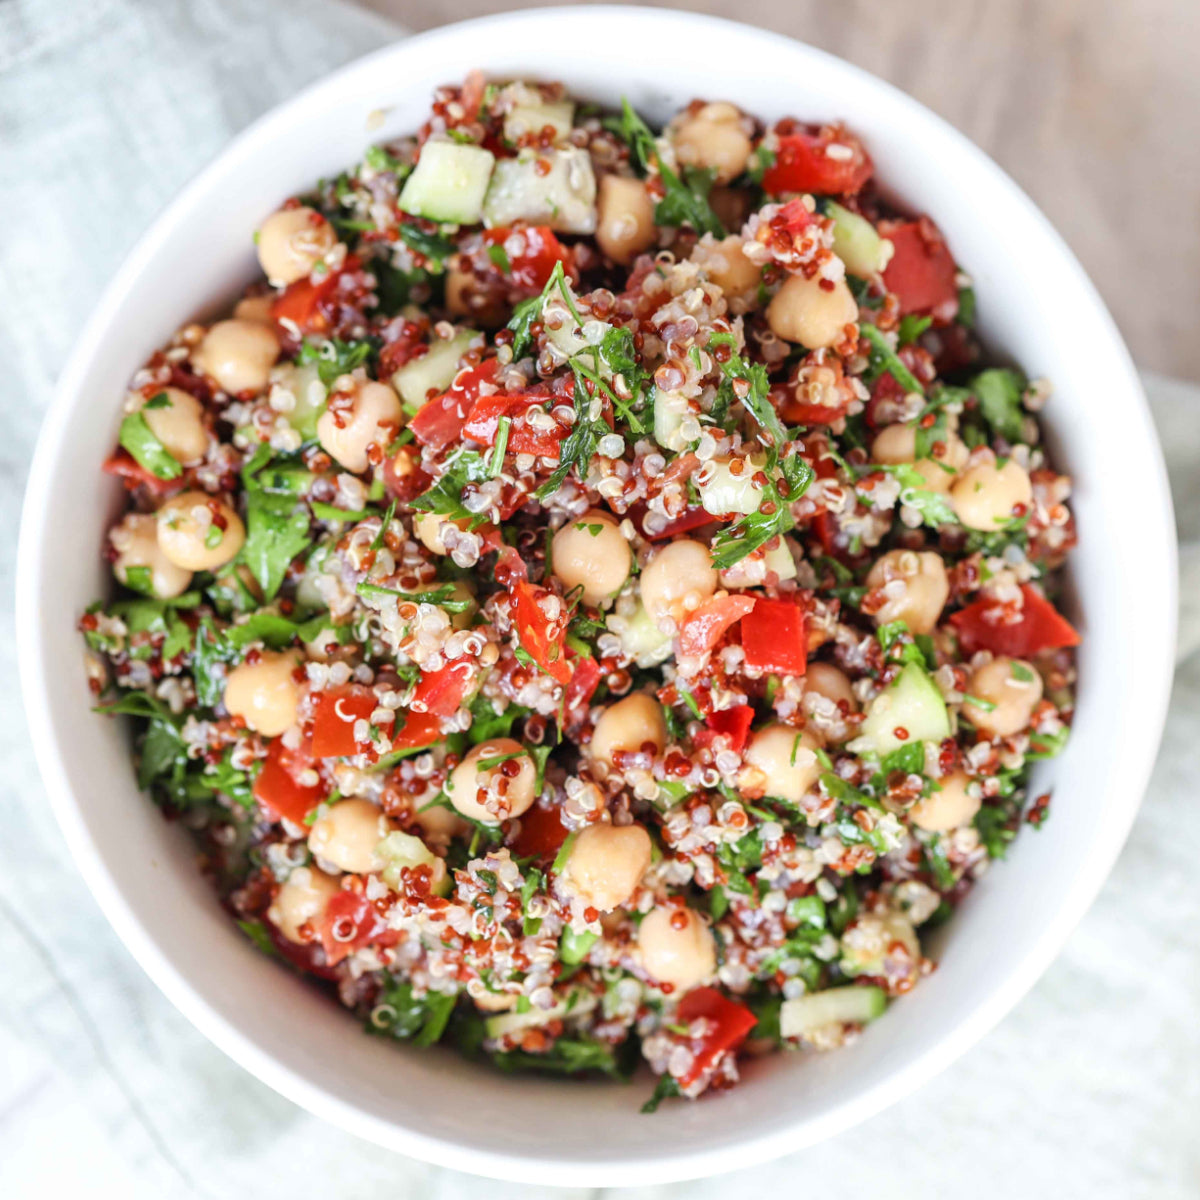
(1090, 1087)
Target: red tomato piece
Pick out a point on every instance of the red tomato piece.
(729, 1025)
(441, 420)
(420, 729)
(773, 637)
(734, 723)
(693, 518)
(922, 273)
(334, 715)
(277, 789)
(542, 834)
(349, 923)
(993, 625)
(585, 679)
(301, 301)
(792, 218)
(705, 627)
(441, 692)
(543, 641)
(803, 164)
(133, 474)
(533, 266)
(483, 423)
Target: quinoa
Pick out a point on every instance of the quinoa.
(605, 616)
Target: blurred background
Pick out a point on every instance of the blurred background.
(1090, 1087)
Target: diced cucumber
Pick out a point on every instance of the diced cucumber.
(401, 850)
(449, 182)
(640, 638)
(308, 594)
(578, 1005)
(841, 1006)
(308, 394)
(669, 413)
(723, 493)
(564, 197)
(433, 371)
(780, 561)
(573, 947)
(911, 702)
(533, 118)
(857, 244)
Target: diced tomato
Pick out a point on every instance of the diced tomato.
(585, 679)
(482, 425)
(334, 715)
(693, 518)
(773, 637)
(277, 789)
(349, 923)
(734, 723)
(886, 403)
(542, 834)
(922, 273)
(133, 474)
(803, 164)
(420, 729)
(792, 218)
(441, 420)
(301, 301)
(533, 266)
(441, 692)
(797, 412)
(543, 641)
(824, 525)
(989, 624)
(729, 1025)
(705, 627)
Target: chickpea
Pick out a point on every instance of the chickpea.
(255, 308)
(300, 903)
(805, 312)
(265, 693)
(677, 580)
(951, 808)
(898, 444)
(624, 218)
(373, 419)
(827, 699)
(136, 542)
(176, 418)
(677, 947)
(985, 495)
(291, 242)
(606, 864)
(1013, 686)
(591, 552)
(348, 836)
(726, 264)
(508, 785)
(915, 588)
(429, 528)
(782, 762)
(199, 532)
(627, 726)
(238, 355)
(712, 138)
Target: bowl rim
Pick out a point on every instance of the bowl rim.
(158, 962)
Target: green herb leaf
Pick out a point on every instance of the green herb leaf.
(885, 359)
(137, 437)
(999, 391)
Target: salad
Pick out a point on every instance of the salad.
(590, 599)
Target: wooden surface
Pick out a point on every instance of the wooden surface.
(1092, 105)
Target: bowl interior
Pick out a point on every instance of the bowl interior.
(1034, 305)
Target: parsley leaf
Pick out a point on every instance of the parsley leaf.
(401, 1014)
(333, 358)
(276, 527)
(999, 391)
(885, 360)
(137, 437)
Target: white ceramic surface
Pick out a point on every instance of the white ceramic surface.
(1035, 306)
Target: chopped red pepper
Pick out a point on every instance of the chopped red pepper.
(441, 420)
(301, 302)
(734, 723)
(419, 730)
(441, 692)
(533, 266)
(544, 641)
(729, 1025)
(705, 627)
(541, 835)
(482, 425)
(349, 923)
(922, 273)
(993, 625)
(277, 789)
(773, 637)
(803, 164)
(334, 715)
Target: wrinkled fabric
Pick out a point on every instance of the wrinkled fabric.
(1090, 1087)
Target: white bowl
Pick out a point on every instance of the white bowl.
(1035, 306)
